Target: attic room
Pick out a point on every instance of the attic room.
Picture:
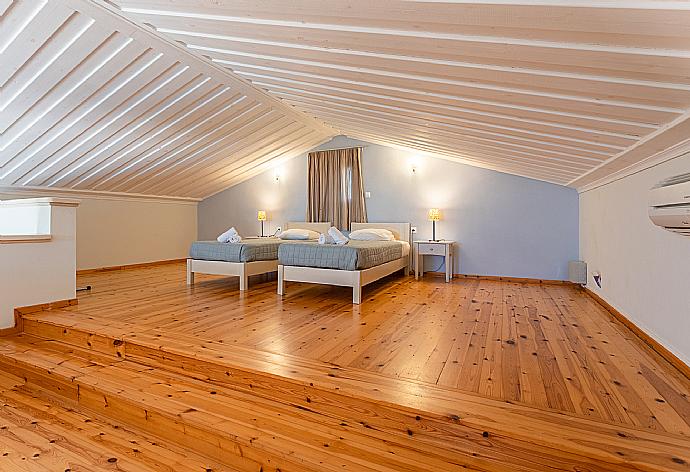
(401, 235)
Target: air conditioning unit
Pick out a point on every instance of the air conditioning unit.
(669, 204)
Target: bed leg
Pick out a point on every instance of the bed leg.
(244, 279)
(190, 274)
(357, 289)
(281, 281)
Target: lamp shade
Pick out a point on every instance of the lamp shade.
(434, 214)
(261, 215)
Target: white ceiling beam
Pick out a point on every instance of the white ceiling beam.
(364, 30)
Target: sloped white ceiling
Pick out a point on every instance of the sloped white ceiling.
(564, 91)
(188, 97)
(91, 101)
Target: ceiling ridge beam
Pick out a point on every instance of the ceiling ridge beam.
(105, 8)
(679, 53)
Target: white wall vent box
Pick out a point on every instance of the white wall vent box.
(577, 272)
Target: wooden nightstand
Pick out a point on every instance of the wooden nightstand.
(434, 248)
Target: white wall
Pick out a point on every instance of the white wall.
(33, 273)
(114, 230)
(507, 225)
(645, 269)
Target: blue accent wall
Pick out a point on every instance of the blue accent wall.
(505, 225)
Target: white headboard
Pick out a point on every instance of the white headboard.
(400, 230)
(318, 227)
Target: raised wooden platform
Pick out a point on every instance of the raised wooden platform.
(253, 409)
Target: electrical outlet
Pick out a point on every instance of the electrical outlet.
(367, 194)
(414, 229)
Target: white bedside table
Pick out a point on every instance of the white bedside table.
(434, 248)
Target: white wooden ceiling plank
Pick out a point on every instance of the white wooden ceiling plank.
(246, 123)
(472, 150)
(217, 142)
(185, 119)
(217, 45)
(603, 87)
(102, 134)
(251, 133)
(204, 44)
(85, 81)
(441, 111)
(138, 135)
(581, 121)
(673, 134)
(570, 143)
(362, 74)
(258, 161)
(15, 19)
(189, 183)
(490, 49)
(461, 139)
(46, 70)
(460, 107)
(4, 6)
(209, 135)
(207, 120)
(278, 157)
(31, 39)
(141, 72)
(455, 156)
(602, 109)
(509, 143)
(623, 23)
(107, 13)
(142, 137)
(468, 149)
(251, 156)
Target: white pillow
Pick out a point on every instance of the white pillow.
(372, 234)
(298, 234)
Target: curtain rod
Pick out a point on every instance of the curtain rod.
(338, 149)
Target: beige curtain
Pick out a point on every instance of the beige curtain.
(336, 189)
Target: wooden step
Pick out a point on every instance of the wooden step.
(36, 435)
(483, 433)
(236, 428)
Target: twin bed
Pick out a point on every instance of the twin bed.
(355, 264)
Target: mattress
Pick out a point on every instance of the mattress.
(355, 255)
(249, 250)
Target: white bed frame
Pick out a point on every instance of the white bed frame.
(244, 269)
(350, 278)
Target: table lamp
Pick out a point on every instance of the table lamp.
(262, 217)
(434, 216)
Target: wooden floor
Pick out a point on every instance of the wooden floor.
(549, 350)
(547, 346)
